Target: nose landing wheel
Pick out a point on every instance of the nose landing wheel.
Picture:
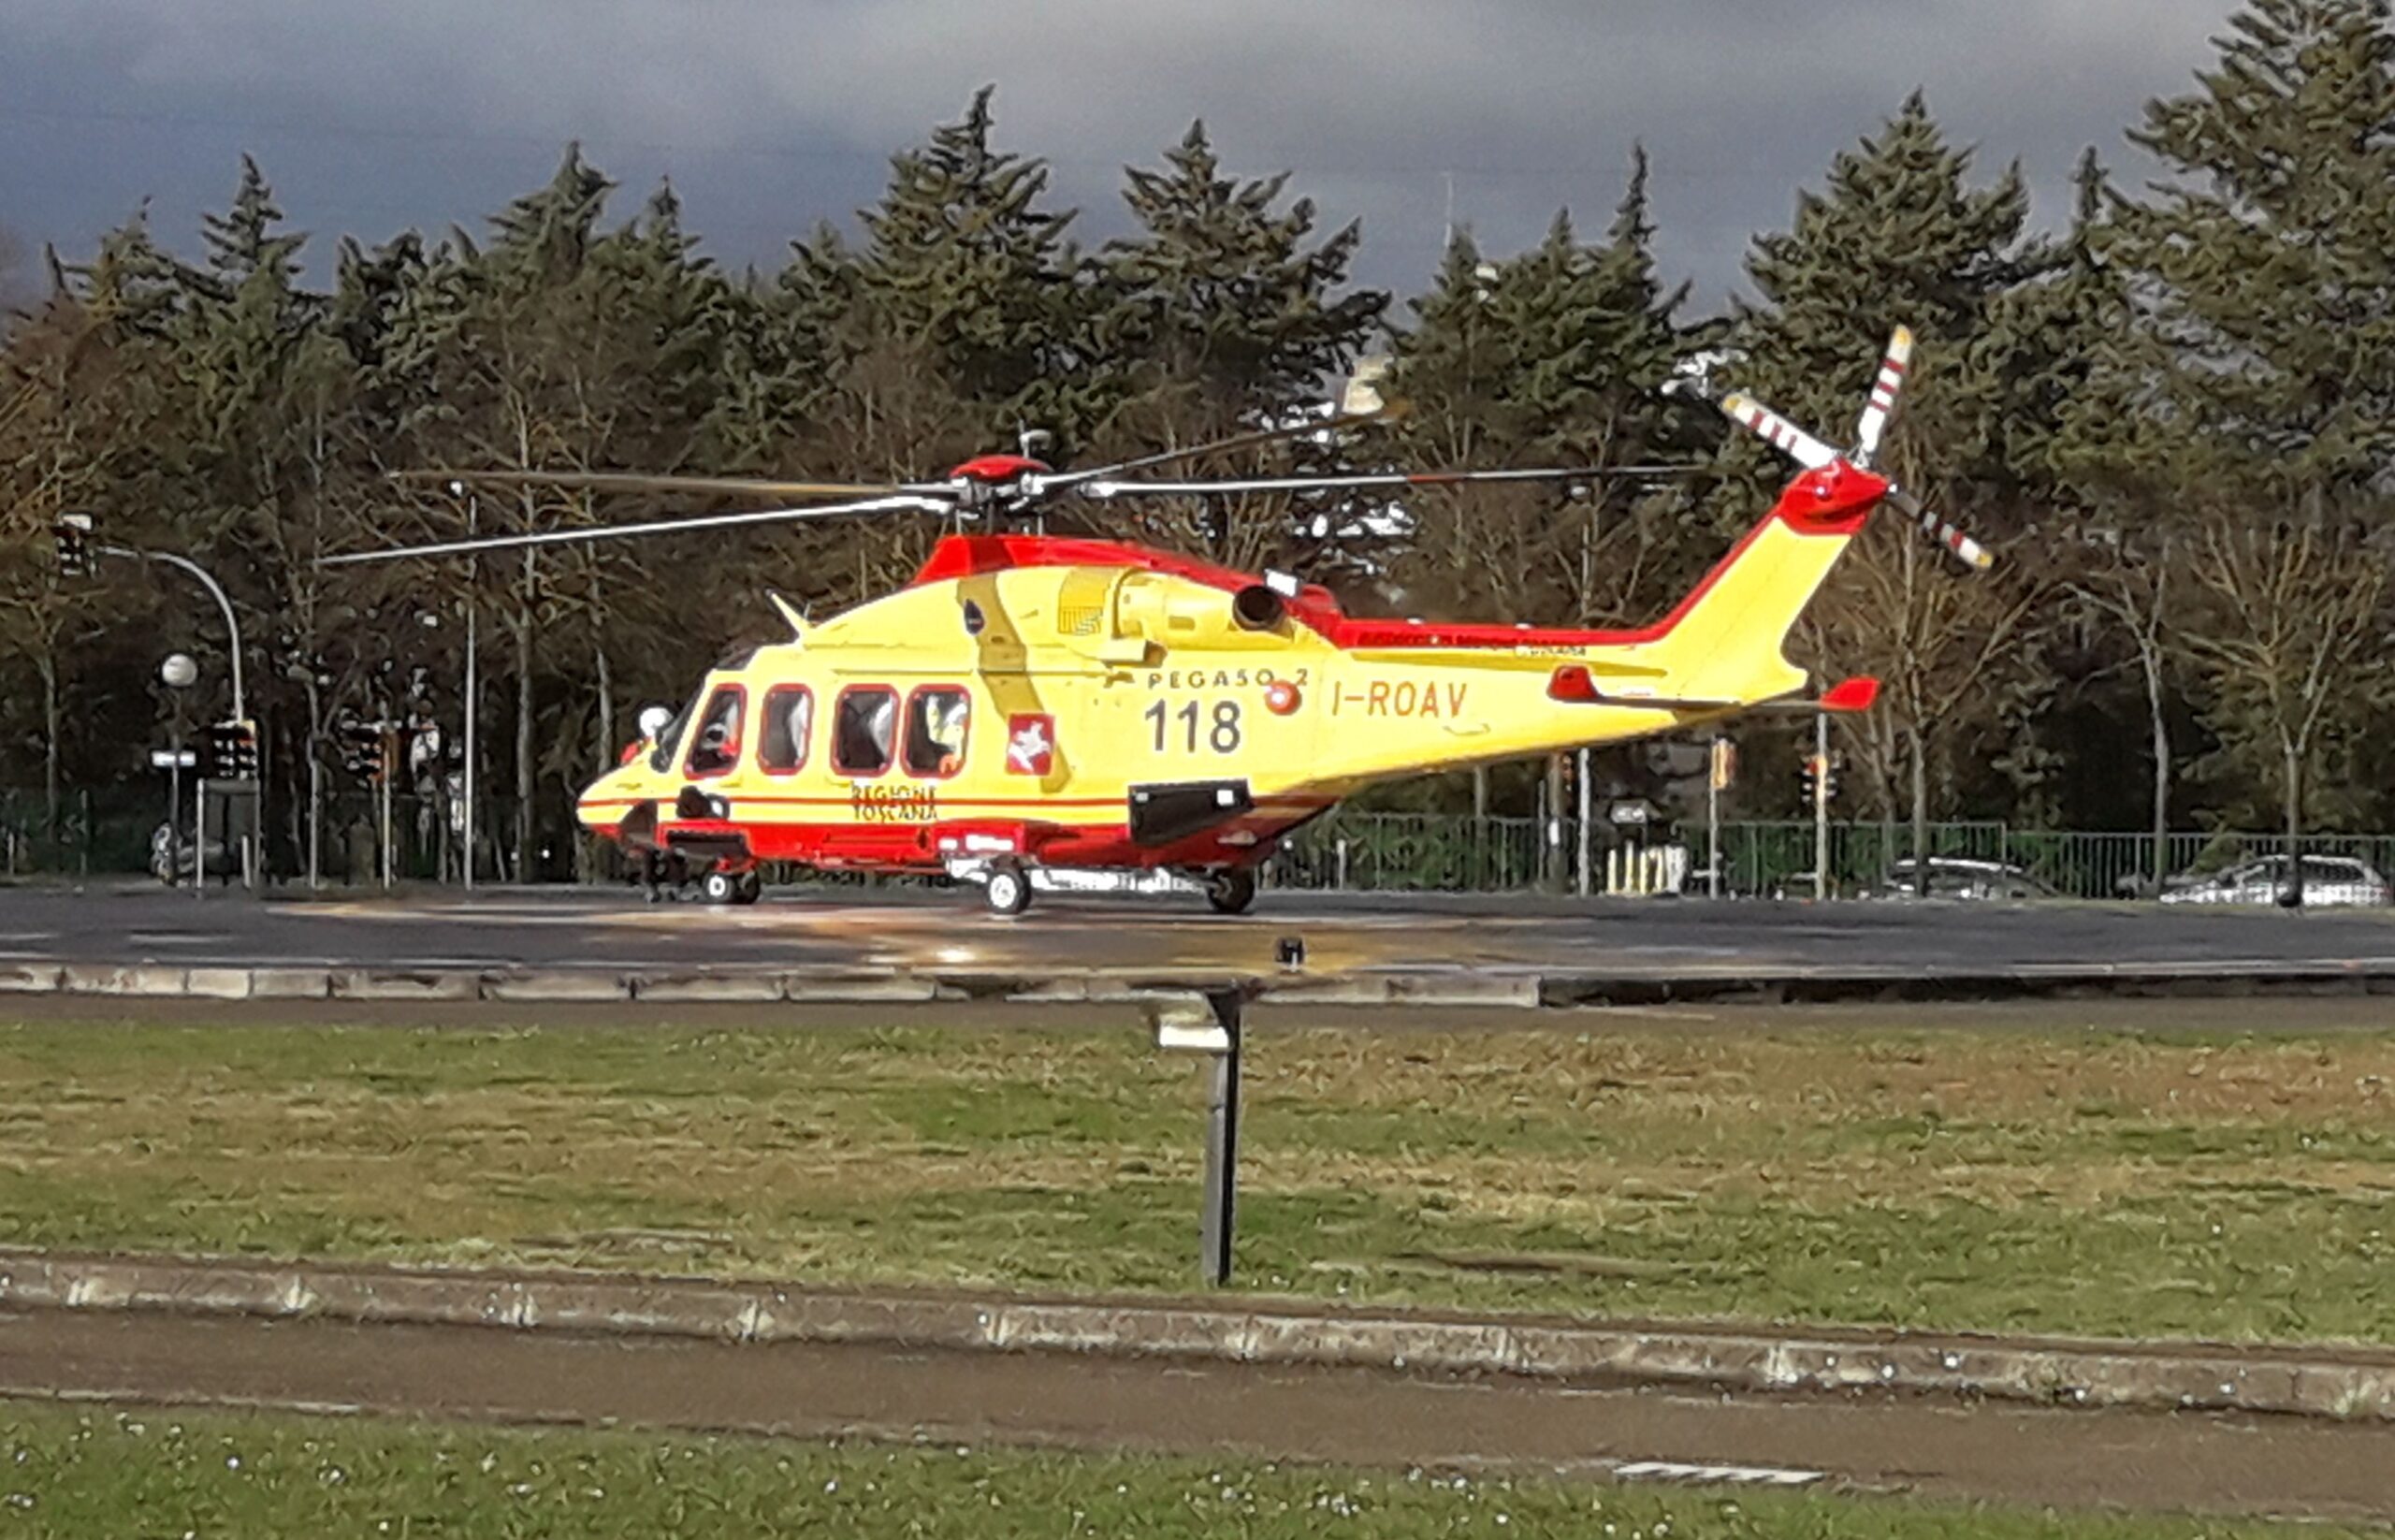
(1232, 891)
(723, 887)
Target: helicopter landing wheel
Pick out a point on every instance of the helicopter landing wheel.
(748, 887)
(1232, 891)
(1008, 891)
(721, 887)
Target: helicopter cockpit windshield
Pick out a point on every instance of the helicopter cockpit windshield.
(661, 757)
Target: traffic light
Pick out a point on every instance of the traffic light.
(72, 534)
(233, 750)
(1808, 778)
(361, 750)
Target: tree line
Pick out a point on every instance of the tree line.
(2169, 416)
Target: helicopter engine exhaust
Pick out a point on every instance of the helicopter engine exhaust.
(1256, 607)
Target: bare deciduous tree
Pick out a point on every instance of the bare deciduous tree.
(2289, 632)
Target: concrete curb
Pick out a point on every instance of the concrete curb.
(1460, 988)
(2283, 1380)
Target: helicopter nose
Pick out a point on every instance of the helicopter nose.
(604, 803)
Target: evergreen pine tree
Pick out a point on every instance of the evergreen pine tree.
(1553, 357)
(2264, 264)
(965, 267)
(1224, 315)
(2265, 257)
(1899, 235)
(1226, 305)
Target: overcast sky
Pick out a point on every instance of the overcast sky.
(771, 114)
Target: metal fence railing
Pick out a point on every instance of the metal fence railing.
(1371, 852)
(1432, 852)
(111, 832)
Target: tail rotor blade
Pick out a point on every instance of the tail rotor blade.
(1940, 532)
(1881, 409)
(1776, 430)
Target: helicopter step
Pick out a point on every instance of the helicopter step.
(1008, 884)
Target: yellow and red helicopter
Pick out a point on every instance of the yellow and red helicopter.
(1037, 712)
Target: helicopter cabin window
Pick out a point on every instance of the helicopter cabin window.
(716, 747)
(936, 716)
(788, 724)
(865, 730)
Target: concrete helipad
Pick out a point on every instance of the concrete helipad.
(883, 944)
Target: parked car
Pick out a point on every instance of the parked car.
(1955, 877)
(2327, 879)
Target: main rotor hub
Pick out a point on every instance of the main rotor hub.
(999, 470)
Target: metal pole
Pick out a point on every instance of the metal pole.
(387, 757)
(1820, 804)
(1219, 1224)
(1713, 819)
(1588, 877)
(474, 687)
(199, 836)
(174, 797)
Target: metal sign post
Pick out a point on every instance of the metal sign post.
(1209, 1024)
(1821, 805)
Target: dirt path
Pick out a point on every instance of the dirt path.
(2198, 1463)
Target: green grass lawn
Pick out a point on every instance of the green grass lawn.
(2082, 1181)
(86, 1472)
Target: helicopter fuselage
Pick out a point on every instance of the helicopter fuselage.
(1031, 702)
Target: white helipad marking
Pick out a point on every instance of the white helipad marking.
(1740, 1475)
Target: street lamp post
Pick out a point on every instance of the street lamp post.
(474, 686)
(233, 636)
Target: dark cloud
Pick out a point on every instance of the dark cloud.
(771, 114)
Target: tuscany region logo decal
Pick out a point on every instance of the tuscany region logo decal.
(1030, 743)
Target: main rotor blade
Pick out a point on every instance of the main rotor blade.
(1776, 430)
(1417, 478)
(1244, 440)
(626, 481)
(1881, 408)
(652, 527)
(1975, 554)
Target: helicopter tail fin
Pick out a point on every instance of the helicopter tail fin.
(1724, 640)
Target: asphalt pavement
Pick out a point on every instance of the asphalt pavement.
(933, 932)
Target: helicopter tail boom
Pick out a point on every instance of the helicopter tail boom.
(1724, 642)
